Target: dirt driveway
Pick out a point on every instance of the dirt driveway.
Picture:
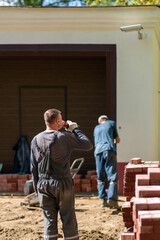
(21, 222)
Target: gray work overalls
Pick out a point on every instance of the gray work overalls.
(56, 193)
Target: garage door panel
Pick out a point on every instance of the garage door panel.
(33, 103)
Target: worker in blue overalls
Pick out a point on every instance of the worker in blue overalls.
(105, 140)
(50, 167)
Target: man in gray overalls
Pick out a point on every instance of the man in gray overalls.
(50, 167)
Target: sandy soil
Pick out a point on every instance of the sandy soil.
(21, 222)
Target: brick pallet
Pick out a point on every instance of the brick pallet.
(87, 184)
(16, 182)
(13, 182)
(136, 166)
(141, 215)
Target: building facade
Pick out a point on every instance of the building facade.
(78, 60)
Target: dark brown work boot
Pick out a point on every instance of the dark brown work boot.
(103, 202)
(113, 204)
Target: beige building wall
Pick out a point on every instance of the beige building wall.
(138, 73)
(156, 93)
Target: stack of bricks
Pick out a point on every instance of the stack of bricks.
(149, 185)
(145, 206)
(77, 183)
(13, 182)
(16, 182)
(146, 217)
(136, 166)
(87, 184)
(127, 215)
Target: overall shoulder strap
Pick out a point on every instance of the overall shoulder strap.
(44, 142)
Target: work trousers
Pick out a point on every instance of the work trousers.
(106, 164)
(58, 196)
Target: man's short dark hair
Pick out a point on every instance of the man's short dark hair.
(51, 115)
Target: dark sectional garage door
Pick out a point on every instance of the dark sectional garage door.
(31, 85)
(34, 101)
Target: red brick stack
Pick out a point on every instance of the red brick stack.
(13, 182)
(21, 182)
(145, 207)
(127, 215)
(136, 166)
(77, 183)
(87, 184)
(146, 217)
(149, 185)
(148, 225)
(16, 182)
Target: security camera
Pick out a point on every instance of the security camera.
(130, 28)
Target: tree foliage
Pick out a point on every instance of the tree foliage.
(122, 2)
(43, 3)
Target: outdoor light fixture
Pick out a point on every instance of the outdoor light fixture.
(129, 28)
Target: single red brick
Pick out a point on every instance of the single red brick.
(78, 176)
(144, 229)
(14, 176)
(131, 194)
(92, 172)
(126, 215)
(4, 187)
(154, 182)
(9, 176)
(12, 187)
(77, 188)
(154, 173)
(140, 204)
(153, 203)
(127, 219)
(20, 187)
(126, 207)
(4, 180)
(86, 181)
(87, 177)
(156, 229)
(94, 182)
(127, 236)
(29, 176)
(142, 180)
(84, 187)
(78, 180)
(148, 191)
(23, 176)
(130, 174)
(128, 224)
(134, 168)
(127, 189)
(135, 160)
(89, 189)
(128, 198)
(129, 179)
(147, 236)
(149, 218)
(94, 177)
(94, 188)
(11, 180)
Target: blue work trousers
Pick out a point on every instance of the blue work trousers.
(106, 164)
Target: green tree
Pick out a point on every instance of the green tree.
(100, 3)
(43, 3)
(24, 2)
(122, 2)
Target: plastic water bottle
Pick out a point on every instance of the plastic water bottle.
(65, 125)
